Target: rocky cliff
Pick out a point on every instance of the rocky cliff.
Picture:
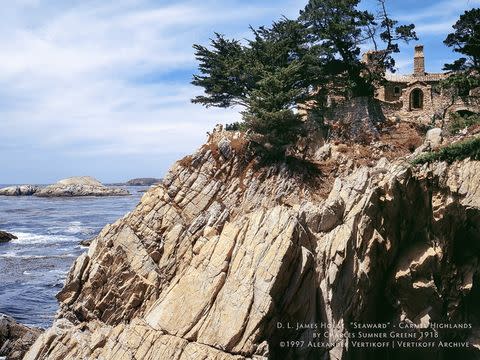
(225, 258)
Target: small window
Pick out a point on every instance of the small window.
(396, 90)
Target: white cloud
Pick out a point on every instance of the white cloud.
(73, 76)
(437, 18)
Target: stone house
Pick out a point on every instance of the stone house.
(417, 96)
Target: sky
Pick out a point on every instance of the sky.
(102, 88)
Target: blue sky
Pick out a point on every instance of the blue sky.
(102, 88)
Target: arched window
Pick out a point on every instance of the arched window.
(416, 99)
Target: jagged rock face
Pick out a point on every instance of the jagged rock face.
(15, 338)
(212, 259)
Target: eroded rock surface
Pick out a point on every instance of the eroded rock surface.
(221, 252)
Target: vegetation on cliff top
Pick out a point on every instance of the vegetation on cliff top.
(456, 151)
(459, 122)
(306, 60)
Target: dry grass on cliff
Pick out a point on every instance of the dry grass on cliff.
(405, 137)
(395, 140)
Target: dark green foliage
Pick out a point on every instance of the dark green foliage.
(236, 126)
(457, 151)
(268, 77)
(340, 28)
(225, 75)
(459, 122)
(466, 41)
(336, 26)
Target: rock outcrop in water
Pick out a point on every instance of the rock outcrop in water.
(220, 258)
(15, 339)
(19, 190)
(6, 237)
(80, 186)
(143, 182)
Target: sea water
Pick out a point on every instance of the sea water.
(33, 267)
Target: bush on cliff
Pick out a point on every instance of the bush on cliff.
(459, 122)
(457, 151)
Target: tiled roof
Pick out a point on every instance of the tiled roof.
(413, 78)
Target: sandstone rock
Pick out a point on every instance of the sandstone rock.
(19, 190)
(80, 186)
(6, 237)
(15, 339)
(221, 252)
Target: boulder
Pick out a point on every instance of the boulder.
(80, 186)
(434, 137)
(15, 338)
(6, 237)
(19, 190)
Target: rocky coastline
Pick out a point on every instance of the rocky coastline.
(223, 250)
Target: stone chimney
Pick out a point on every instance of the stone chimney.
(419, 61)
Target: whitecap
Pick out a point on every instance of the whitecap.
(9, 254)
(29, 238)
(14, 255)
(75, 227)
(58, 271)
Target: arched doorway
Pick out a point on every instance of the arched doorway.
(416, 99)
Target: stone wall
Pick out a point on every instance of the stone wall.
(436, 107)
(390, 94)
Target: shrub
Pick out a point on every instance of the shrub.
(236, 126)
(459, 121)
(458, 151)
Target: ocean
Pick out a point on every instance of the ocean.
(33, 268)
